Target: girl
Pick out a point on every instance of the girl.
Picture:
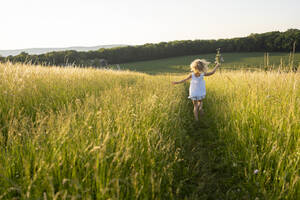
(197, 85)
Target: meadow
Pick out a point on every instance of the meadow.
(233, 61)
(74, 133)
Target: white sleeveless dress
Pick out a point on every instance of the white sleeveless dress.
(197, 87)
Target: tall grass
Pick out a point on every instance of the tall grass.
(257, 116)
(71, 133)
(88, 134)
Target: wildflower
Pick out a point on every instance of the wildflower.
(218, 58)
(256, 171)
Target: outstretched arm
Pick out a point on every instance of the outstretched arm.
(213, 71)
(177, 82)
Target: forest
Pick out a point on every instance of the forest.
(274, 41)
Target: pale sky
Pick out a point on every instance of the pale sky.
(65, 23)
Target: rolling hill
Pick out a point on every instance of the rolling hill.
(38, 51)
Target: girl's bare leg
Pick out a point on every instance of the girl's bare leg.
(195, 109)
(200, 106)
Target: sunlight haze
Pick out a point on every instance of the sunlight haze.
(64, 23)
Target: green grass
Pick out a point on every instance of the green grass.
(72, 133)
(232, 60)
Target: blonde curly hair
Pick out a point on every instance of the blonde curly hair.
(199, 66)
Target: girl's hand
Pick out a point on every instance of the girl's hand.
(174, 82)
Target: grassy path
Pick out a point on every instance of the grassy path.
(204, 174)
(203, 162)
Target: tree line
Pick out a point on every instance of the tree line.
(265, 42)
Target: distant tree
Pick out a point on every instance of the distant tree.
(2, 59)
(22, 57)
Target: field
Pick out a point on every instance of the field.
(232, 61)
(71, 133)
